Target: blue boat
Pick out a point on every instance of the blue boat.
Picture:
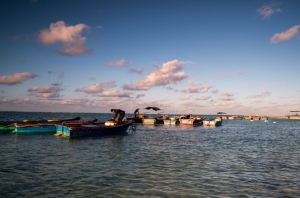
(35, 129)
(40, 126)
(92, 130)
(59, 127)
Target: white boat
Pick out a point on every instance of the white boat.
(187, 121)
(213, 123)
(149, 121)
(171, 121)
(195, 121)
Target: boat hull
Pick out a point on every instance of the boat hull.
(7, 129)
(212, 123)
(171, 122)
(191, 122)
(149, 121)
(35, 129)
(92, 130)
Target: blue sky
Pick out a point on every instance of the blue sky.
(241, 57)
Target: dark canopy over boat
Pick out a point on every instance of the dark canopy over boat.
(220, 113)
(153, 108)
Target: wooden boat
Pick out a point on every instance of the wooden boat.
(41, 128)
(171, 121)
(235, 118)
(59, 127)
(94, 130)
(149, 121)
(193, 121)
(136, 120)
(5, 129)
(52, 121)
(212, 122)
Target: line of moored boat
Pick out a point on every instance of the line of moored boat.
(77, 127)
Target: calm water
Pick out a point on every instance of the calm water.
(239, 159)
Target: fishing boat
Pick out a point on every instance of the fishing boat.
(94, 130)
(149, 121)
(52, 121)
(171, 121)
(59, 127)
(213, 122)
(190, 120)
(152, 120)
(40, 128)
(5, 129)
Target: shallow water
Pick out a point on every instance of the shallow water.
(238, 159)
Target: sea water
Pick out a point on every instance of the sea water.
(238, 159)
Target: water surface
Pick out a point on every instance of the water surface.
(238, 159)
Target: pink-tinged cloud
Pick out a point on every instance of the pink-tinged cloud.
(81, 102)
(168, 73)
(194, 88)
(227, 96)
(118, 94)
(70, 36)
(118, 63)
(139, 96)
(172, 89)
(185, 98)
(48, 92)
(16, 78)
(267, 11)
(262, 94)
(98, 87)
(203, 98)
(287, 35)
(136, 70)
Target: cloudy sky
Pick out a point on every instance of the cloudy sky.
(201, 57)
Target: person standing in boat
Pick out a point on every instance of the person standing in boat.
(118, 115)
(136, 113)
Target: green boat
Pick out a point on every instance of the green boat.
(5, 129)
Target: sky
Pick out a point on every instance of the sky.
(198, 57)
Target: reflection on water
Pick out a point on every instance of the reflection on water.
(238, 159)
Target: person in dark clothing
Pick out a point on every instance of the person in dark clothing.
(118, 115)
(136, 113)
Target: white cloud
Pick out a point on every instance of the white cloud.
(168, 73)
(16, 78)
(287, 35)
(73, 43)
